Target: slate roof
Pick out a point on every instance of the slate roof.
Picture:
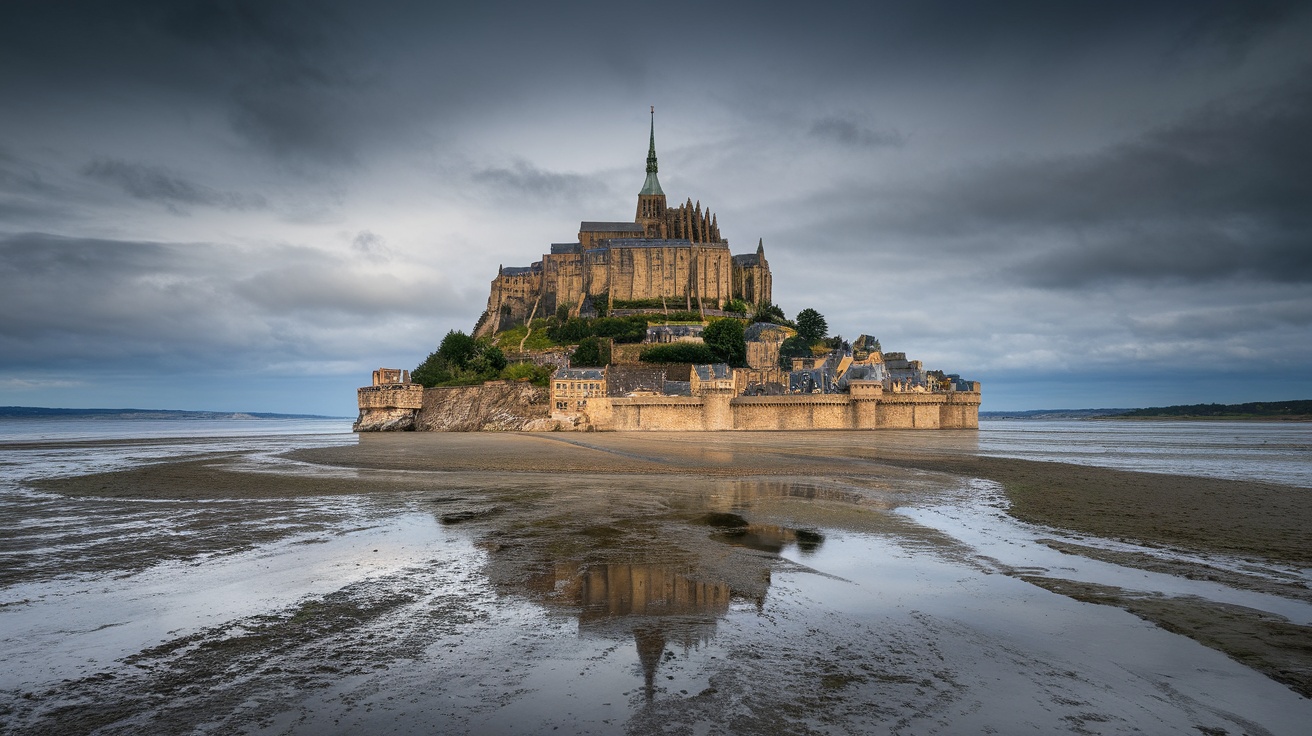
(712, 371)
(558, 248)
(580, 374)
(678, 388)
(610, 227)
(760, 331)
(747, 259)
(656, 243)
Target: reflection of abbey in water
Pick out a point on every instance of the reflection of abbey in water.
(662, 605)
(657, 605)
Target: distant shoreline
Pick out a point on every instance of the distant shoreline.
(1297, 410)
(1213, 418)
(42, 412)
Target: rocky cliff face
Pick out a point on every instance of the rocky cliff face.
(508, 407)
(386, 420)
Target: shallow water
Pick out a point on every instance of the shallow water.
(755, 605)
(1279, 452)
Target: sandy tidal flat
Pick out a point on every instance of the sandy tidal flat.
(612, 583)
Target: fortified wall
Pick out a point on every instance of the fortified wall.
(866, 407)
(505, 406)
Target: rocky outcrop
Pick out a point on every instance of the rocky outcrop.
(492, 407)
(386, 420)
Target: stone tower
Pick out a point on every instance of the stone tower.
(651, 200)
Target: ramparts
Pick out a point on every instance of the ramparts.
(721, 410)
(507, 406)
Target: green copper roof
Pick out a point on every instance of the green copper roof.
(652, 185)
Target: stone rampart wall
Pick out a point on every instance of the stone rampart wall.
(521, 406)
(391, 396)
(717, 411)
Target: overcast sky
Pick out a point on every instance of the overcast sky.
(250, 205)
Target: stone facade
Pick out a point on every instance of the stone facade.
(866, 407)
(716, 405)
(674, 255)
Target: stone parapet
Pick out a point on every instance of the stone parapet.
(515, 407)
(715, 410)
(391, 396)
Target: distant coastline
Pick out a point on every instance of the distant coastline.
(1288, 411)
(42, 412)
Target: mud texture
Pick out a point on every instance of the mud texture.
(647, 542)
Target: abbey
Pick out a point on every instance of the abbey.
(671, 255)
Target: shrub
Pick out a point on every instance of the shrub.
(767, 312)
(592, 351)
(572, 331)
(621, 329)
(679, 352)
(538, 375)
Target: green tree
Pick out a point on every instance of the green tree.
(572, 331)
(456, 349)
(811, 326)
(431, 371)
(725, 338)
(767, 312)
(487, 358)
(794, 347)
(591, 352)
(460, 360)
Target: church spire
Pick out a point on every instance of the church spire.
(652, 185)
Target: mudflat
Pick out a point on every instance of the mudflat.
(1204, 514)
(660, 538)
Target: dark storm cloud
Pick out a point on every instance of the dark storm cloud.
(523, 180)
(1223, 193)
(1212, 322)
(849, 132)
(159, 185)
(288, 75)
(292, 89)
(25, 193)
(1232, 28)
(1109, 165)
(70, 301)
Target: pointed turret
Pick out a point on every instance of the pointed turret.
(651, 200)
(652, 185)
(760, 247)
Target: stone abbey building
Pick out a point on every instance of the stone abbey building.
(674, 255)
(670, 258)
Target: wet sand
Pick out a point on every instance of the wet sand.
(707, 525)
